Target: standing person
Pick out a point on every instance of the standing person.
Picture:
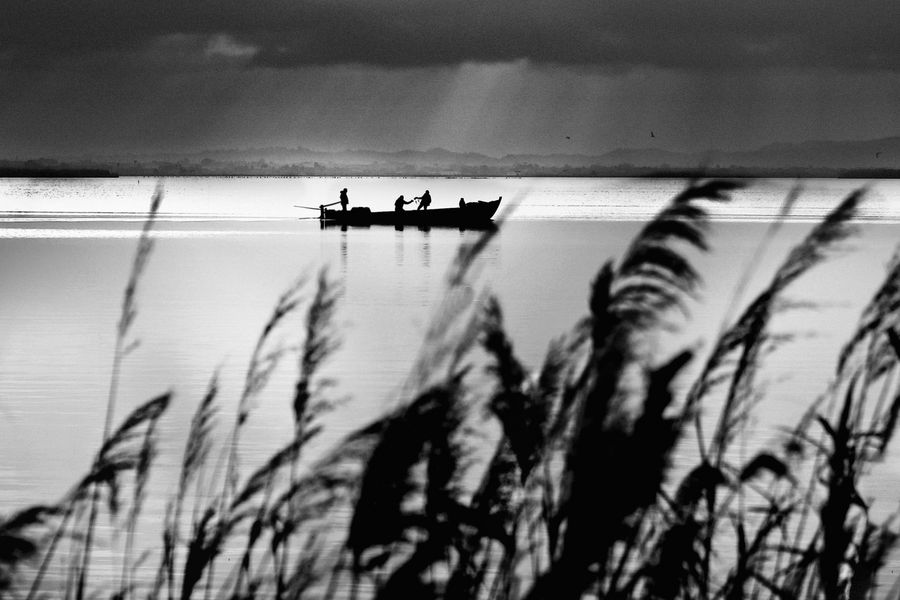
(344, 200)
(425, 200)
(462, 202)
(399, 202)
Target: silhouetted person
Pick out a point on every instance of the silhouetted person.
(399, 202)
(344, 200)
(462, 203)
(425, 200)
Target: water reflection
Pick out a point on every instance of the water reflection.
(427, 243)
(344, 251)
(426, 247)
(424, 244)
(398, 246)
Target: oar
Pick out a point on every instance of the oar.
(316, 207)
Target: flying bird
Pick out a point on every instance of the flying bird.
(651, 134)
(568, 138)
(877, 154)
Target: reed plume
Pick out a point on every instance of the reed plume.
(217, 522)
(195, 454)
(652, 278)
(319, 343)
(125, 450)
(20, 540)
(122, 347)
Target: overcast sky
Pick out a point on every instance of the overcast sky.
(493, 76)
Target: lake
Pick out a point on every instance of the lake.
(226, 248)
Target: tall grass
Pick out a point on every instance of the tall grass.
(484, 478)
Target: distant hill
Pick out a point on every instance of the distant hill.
(868, 154)
(882, 153)
(868, 158)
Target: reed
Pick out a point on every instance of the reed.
(196, 451)
(122, 348)
(485, 478)
(19, 542)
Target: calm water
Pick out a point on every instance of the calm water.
(227, 247)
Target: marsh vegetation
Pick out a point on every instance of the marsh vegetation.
(488, 478)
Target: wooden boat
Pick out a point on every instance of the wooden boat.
(473, 215)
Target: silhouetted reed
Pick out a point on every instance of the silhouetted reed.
(122, 348)
(483, 478)
(19, 541)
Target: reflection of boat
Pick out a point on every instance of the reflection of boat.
(473, 215)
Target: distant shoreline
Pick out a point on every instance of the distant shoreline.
(50, 173)
(648, 173)
(591, 172)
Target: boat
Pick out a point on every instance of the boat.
(472, 215)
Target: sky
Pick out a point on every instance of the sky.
(494, 76)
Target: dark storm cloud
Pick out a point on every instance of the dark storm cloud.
(618, 34)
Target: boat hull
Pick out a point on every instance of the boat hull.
(471, 216)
